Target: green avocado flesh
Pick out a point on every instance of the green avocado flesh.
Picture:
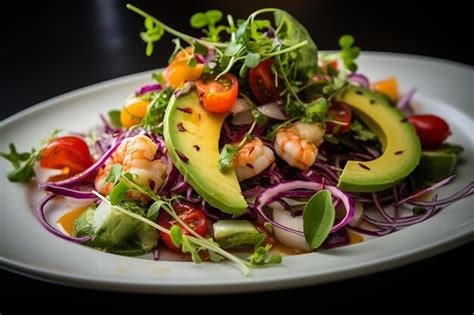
(192, 137)
(400, 144)
(436, 165)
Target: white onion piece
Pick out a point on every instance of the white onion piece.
(358, 214)
(240, 105)
(243, 118)
(42, 174)
(272, 110)
(289, 239)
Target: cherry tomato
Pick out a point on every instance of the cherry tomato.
(69, 153)
(333, 64)
(133, 112)
(179, 72)
(340, 112)
(218, 96)
(193, 217)
(388, 87)
(262, 82)
(431, 130)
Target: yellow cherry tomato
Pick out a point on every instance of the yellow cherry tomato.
(388, 87)
(179, 72)
(133, 112)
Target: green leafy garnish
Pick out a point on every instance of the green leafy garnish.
(349, 53)
(23, 163)
(114, 117)
(318, 218)
(184, 243)
(316, 111)
(362, 132)
(228, 152)
(261, 254)
(153, 120)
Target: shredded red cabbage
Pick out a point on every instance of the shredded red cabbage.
(148, 88)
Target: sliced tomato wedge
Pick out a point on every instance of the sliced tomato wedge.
(192, 216)
(218, 96)
(342, 114)
(262, 82)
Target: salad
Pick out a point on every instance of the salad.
(251, 143)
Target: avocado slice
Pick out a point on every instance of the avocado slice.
(192, 137)
(436, 165)
(400, 144)
(235, 233)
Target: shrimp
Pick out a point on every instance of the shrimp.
(136, 155)
(252, 159)
(298, 144)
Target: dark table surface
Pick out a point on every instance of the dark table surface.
(49, 48)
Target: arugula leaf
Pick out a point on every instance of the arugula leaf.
(14, 157)
(226, 157)
(318, 218)
(114, 117)
(362, 132)
(261, 255)
(292, 32)
(24, 172)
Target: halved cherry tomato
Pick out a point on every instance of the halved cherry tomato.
(179, 72)
(432, 130)
(193, 217)
(342, 113)
(218, 96)
(69, 153)
(262, 82)
(388, 87)
(333, 64)
(133, 112)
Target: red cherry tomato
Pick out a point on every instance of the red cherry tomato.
(218, 96)
(67, 152)
(193, 217)
(262, 82)
(431, 129)
(339, 112)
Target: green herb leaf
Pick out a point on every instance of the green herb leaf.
(316, 110)
(252, 60)
(180, 240)
(114, 174)
(346, 41)
(24, 172)
(349, 53)
(232, 49)
(118, 193)
(318, 218)
(362, 132)
(154, 209)
(226, 157)
(158, 77)
(114, 117)
(213, 16)
(14, 157)
(199, 20)
(176, 235)
(261, 255)
(192, 62)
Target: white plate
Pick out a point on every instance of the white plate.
(444, 88)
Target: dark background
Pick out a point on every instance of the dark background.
(49, 48)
